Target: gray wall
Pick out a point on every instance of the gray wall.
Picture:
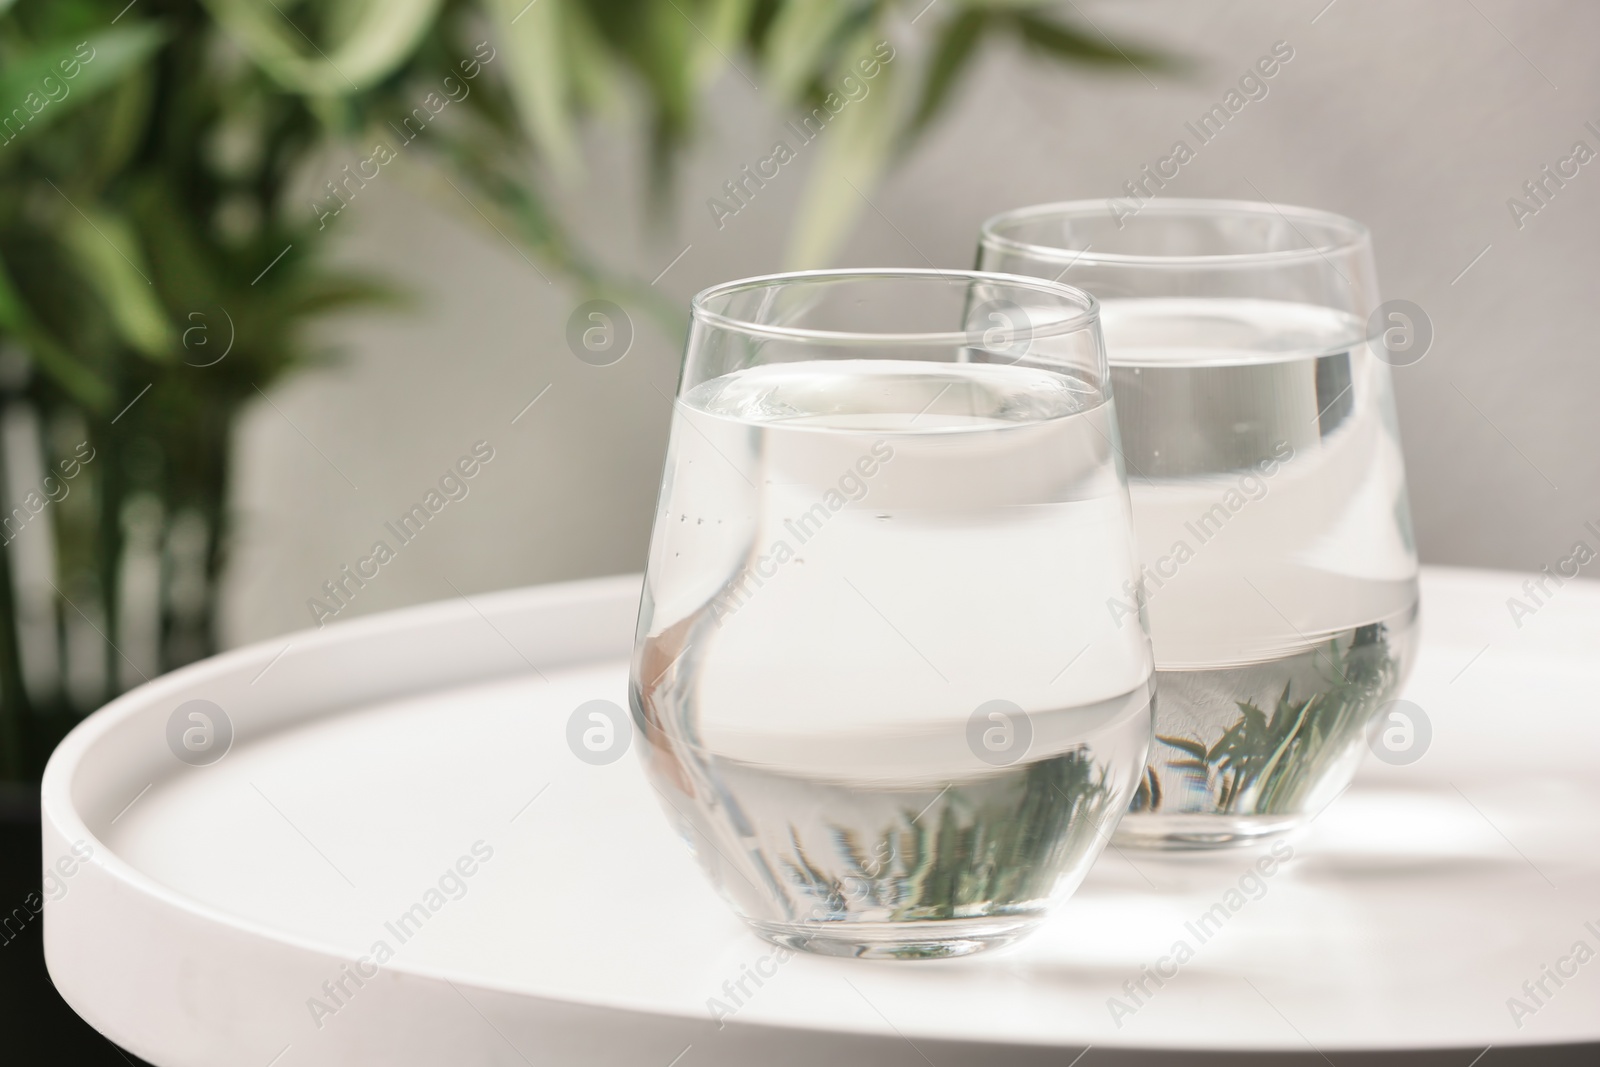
(1421, 120)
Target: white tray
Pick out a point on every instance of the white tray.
(370, 756)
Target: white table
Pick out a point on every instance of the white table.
(370, 757)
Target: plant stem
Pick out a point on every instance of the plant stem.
(13, 694)
(108, 547)
(214, 506)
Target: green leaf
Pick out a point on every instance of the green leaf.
(666, 62)
(108, 254)
(597, 81)
(531, 35)
(798, 40)
(1074, 45)
(958, 43)
(853, 151)
(55, 78)
(126, 122)
(719, 35)
(314, 296)
(382, 34)
(79, 381)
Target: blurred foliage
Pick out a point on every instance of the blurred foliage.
(155, 158)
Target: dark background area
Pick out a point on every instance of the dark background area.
(36, 1022)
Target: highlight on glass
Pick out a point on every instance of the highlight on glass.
(878, 689)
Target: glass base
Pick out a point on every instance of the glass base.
(1199, 831)
(929, 939)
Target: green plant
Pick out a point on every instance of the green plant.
(1266, 763)
(132, 249)
(992, 848)
(161, 263)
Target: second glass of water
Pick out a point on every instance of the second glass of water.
(1277, 565)
(879, 693)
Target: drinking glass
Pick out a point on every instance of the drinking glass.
(879, 693)
(1277, 566)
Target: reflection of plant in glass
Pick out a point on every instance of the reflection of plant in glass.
(1266, 763)
(160, 260)
(992, 848)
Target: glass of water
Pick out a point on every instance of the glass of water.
(1250, 361)
(879, 692)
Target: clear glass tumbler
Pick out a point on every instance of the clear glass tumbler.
(878, 689)
(1277, 565)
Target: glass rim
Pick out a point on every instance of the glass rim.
(1352, 234)
(1086, 316)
